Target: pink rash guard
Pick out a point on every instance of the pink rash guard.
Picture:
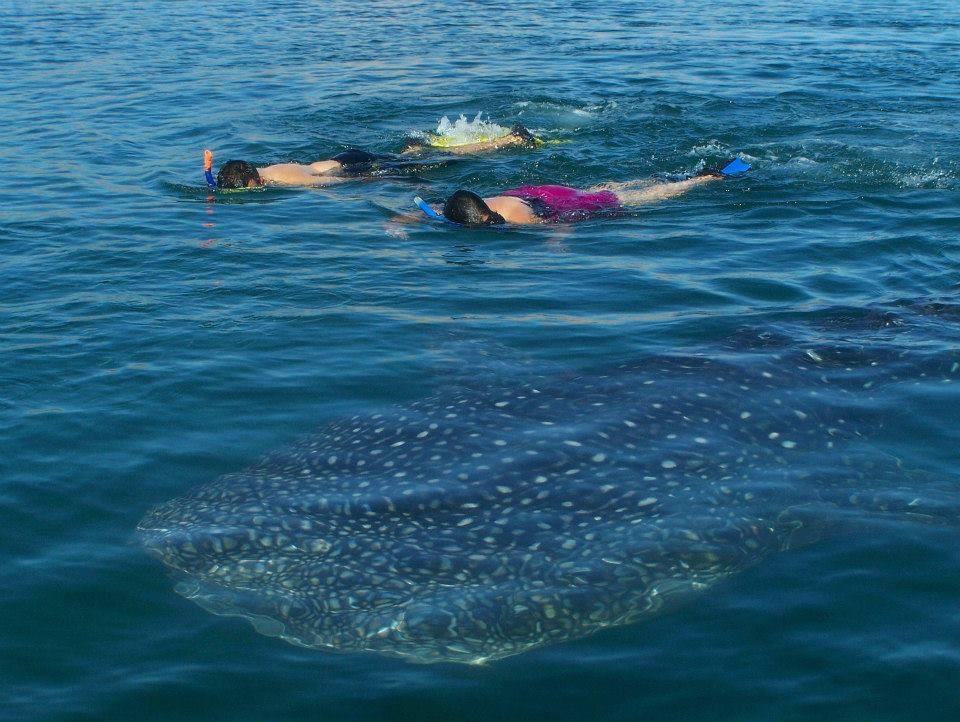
(561, 203)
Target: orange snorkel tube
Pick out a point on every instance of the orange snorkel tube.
(208, 169)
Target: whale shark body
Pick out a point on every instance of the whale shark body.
(480, 523)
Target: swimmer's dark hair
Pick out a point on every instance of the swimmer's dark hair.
(469, 209)
(526, 137)
(237, 174)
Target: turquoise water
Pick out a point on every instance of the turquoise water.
(153, 340)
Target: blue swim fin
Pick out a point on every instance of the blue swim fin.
(734, 167)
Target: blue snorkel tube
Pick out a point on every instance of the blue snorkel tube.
(208, 169)
(430, 213)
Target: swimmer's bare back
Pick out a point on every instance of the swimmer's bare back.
(518, 136)
(320, 173)
(484, 146)
(513, 210)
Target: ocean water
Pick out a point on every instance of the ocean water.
(154, 338)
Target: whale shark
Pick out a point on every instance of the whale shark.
(493, 518)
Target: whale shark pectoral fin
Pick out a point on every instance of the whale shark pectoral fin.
(803, 524)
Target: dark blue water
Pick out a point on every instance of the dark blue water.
(153, 340)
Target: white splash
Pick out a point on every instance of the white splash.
(463, 131)
(712, 148)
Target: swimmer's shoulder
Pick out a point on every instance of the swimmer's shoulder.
(513, 209)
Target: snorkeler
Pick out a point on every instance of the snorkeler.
(519, 135)
(348, 165)
(344, 166)
(561, 204)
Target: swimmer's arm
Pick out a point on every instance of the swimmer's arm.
(557, 240)
(406, 218)
(396, 225)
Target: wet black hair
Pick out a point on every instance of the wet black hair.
(237, 174)
(356, 162)
(469, 209)
(354, 156)
(526, 137)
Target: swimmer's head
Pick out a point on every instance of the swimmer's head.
(238, 174)
(525, 137)
(468, 209)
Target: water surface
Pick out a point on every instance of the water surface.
(153, 340)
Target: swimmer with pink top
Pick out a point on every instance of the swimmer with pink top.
(561, 204)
